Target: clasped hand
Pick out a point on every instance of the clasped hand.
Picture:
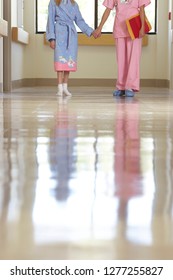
(96, 33)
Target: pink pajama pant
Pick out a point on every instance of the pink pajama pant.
(128, 53)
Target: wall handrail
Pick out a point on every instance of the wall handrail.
(3, 27)
(20, 36)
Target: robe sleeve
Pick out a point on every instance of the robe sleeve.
(80, 22)
(50, 27)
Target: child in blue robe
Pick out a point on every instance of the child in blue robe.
(63, 38)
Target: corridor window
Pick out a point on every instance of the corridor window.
(92, 11)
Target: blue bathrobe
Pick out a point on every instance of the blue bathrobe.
(61, 28)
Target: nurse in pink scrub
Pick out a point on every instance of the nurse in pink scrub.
(128, 51)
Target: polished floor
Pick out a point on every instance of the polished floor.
(87, 177)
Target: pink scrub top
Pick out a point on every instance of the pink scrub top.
(124, 10)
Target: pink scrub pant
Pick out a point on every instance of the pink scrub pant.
(128, 53)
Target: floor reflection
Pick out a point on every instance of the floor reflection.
(127, 151)
(88, 177)
(162, 209)
(17, 184)
(62, 150)
(129, 185)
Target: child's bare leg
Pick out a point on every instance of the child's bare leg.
(60, 82)
(66, 77)
(65, 83)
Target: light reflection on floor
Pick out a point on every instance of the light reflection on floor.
(88, 177)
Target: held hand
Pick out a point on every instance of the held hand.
(52, 44)
(97, 33)
(94, 34)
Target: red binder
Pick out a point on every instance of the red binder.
(134, 25)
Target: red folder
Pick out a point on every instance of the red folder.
(134, 25)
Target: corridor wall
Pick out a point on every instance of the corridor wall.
(35, 61)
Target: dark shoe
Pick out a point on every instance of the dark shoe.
(119, 92)
(129, 93)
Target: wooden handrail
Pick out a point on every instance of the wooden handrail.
(3, 27)
(104, 40)
(20, 36)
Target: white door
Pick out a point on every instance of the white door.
(7, 48)
(1, 49)
(171, 47)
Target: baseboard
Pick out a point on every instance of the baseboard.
(155, 83)
(86, 82)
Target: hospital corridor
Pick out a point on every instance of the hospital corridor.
(86, 176)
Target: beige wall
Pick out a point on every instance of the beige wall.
(18, 50)
(36, 59)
